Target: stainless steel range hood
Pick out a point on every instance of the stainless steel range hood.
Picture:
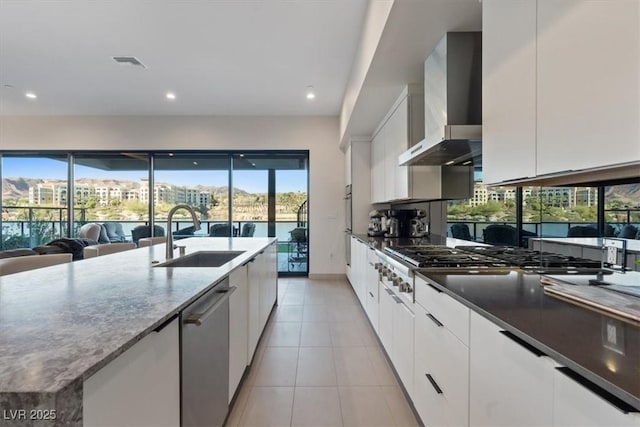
(453, 104)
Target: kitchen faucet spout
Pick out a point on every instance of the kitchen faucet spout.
(196, 226)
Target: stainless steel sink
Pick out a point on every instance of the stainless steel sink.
(202, 259)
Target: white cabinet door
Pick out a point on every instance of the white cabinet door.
(385, 327)
(441, 377)
(143, 383)
(238, 328)
(253, 281)
(509, 384)
(371, 296)
(576, 406)
(588, 83)
(378, 177)
(403, 324)
(396, 143)
(347, 164)
(508, 89)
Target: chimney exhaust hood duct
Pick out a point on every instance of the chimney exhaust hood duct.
(453, 104)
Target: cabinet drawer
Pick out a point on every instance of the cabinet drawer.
(452, 314)
(443, 359)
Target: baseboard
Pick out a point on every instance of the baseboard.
(321, 276)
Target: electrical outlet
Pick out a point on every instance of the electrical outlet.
(612, 255)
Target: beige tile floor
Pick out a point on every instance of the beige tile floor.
(320, 364)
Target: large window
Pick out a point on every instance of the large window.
(622, 210)
(198, 180)
(34, 199)
(491, 215)
(111, 187)
(248, 194)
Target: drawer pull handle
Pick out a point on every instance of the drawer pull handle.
(434, 384)
(522, 343)
(371, 294)
(434, 288)
(436, 321)
(605, 395)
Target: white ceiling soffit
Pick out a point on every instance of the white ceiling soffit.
(224, 57)
(412, 31)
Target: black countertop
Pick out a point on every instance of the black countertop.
(570, 334)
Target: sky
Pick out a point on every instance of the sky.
(247, 180)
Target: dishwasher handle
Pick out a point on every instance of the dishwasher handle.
(199, 318)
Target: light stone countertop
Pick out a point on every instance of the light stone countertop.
(61, 324)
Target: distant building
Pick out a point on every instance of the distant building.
(56, 194)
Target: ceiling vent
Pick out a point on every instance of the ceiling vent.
(129, 61)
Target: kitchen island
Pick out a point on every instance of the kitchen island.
(61, 325)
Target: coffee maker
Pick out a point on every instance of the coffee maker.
(377, 223)
(406, 223)
(398, 223)
(418, 226)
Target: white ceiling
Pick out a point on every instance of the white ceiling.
(219, 57)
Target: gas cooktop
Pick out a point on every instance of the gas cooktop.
(527, 258)
(433, 256)
(496, 258)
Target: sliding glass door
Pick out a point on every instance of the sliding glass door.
(200, 180)
(270, 199)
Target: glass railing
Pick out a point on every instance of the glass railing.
(27, 227)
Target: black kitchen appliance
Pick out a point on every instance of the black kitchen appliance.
(400, 222)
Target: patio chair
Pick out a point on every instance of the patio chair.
(220, 230)
(248, 229)
(145, 231)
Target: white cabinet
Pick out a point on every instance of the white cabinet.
(359, 176)
(143, 383)
(588, 84)
(372, 289)
(378, 167)
(510, 383)
(402, 343)
(508, 89)
(576, 406)
(238, 328)
(385, 315)
(262, 279)
(561, 86)
(441, 366)
(358, 270)
(402, 127)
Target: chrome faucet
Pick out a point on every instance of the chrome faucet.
(196, 226)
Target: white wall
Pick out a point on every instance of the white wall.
(319, 135)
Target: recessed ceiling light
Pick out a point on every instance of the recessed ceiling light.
(171, 96)
(170, 154)
(311, 94)
(30, 95)
(241, 155)
(195, 163)
(450, 162)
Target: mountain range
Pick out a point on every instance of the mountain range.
(16, 188)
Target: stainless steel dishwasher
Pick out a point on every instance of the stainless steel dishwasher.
(205, 358)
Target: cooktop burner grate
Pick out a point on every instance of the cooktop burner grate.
(484, 257)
